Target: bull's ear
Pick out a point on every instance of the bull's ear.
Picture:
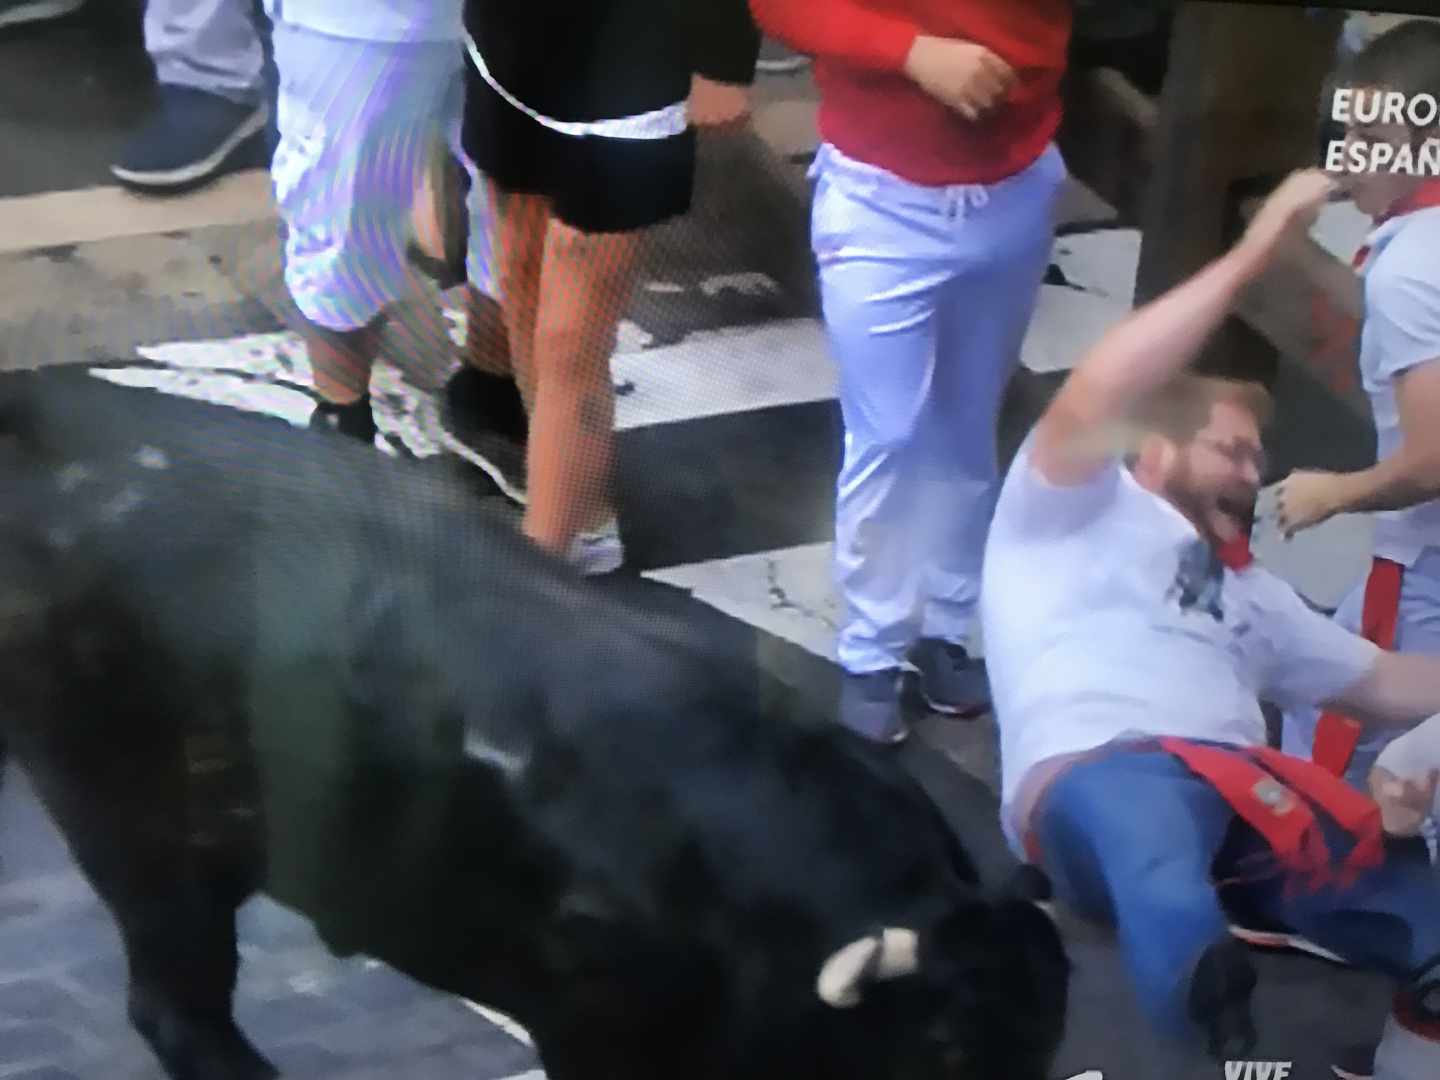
(1031, 883)
(890, 954)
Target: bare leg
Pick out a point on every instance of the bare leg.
(523, 221)
(585, 283)
(341, 360)
(487, 343)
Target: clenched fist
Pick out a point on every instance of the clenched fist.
(966, 77)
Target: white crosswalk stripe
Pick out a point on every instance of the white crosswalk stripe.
(770, 365)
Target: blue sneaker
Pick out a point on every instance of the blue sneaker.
(191, 138)
(870, 706)
(21, 12)
(949, 679)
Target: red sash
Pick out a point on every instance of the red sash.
(1337, 735)
(1279, 796)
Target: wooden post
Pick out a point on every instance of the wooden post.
(1239, 110)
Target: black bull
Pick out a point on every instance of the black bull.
(236, 657)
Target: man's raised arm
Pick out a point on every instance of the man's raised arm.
(1075, 437)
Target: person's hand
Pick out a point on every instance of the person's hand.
(961, 75)
(1304, 499)
(718, 107)
(1290, 211)
(1404, 804)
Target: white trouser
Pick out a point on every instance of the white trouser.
(1418, 631)
(927, 295)
(210, 45)
(358, 121)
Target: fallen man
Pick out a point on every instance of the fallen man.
(1130, 639)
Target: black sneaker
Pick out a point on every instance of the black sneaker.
(870, 706)
(485, 415)
(1220, 992)
(1268, 936)
(23, 12)
(356, 420)
(1258, 932)
(192, 137)
(949, 679)
(1355, 1062)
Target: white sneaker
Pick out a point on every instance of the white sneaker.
(598, 552)
(1406, 1055)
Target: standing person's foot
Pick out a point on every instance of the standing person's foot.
(599, 551)
(949, 679)
(23, 12)
(192, 137)
(778, 59)
(485, 415)
(870, 706)
(356, 420)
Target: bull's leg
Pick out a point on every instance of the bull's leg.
(181, 946)
(175, 904)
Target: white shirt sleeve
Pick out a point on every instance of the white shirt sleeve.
(1306, 658)
(1403, 320)
(1031, 506)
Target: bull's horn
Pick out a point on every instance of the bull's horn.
(892, 953)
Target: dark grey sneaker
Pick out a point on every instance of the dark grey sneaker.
(870, 706)
(949, 679)
(191, 138)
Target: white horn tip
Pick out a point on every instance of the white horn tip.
(893, 953)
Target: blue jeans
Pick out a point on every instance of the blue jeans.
(927, 294)
(1134, 839)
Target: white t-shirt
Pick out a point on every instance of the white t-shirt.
(1401, 331)
(374, 20)
(1102, 619)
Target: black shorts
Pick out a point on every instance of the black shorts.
(595, 183)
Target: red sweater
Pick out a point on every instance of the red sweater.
(870, 110)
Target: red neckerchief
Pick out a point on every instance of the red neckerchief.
(1236, 554)
(1425, 197)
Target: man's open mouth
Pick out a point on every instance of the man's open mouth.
(1241, 510)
